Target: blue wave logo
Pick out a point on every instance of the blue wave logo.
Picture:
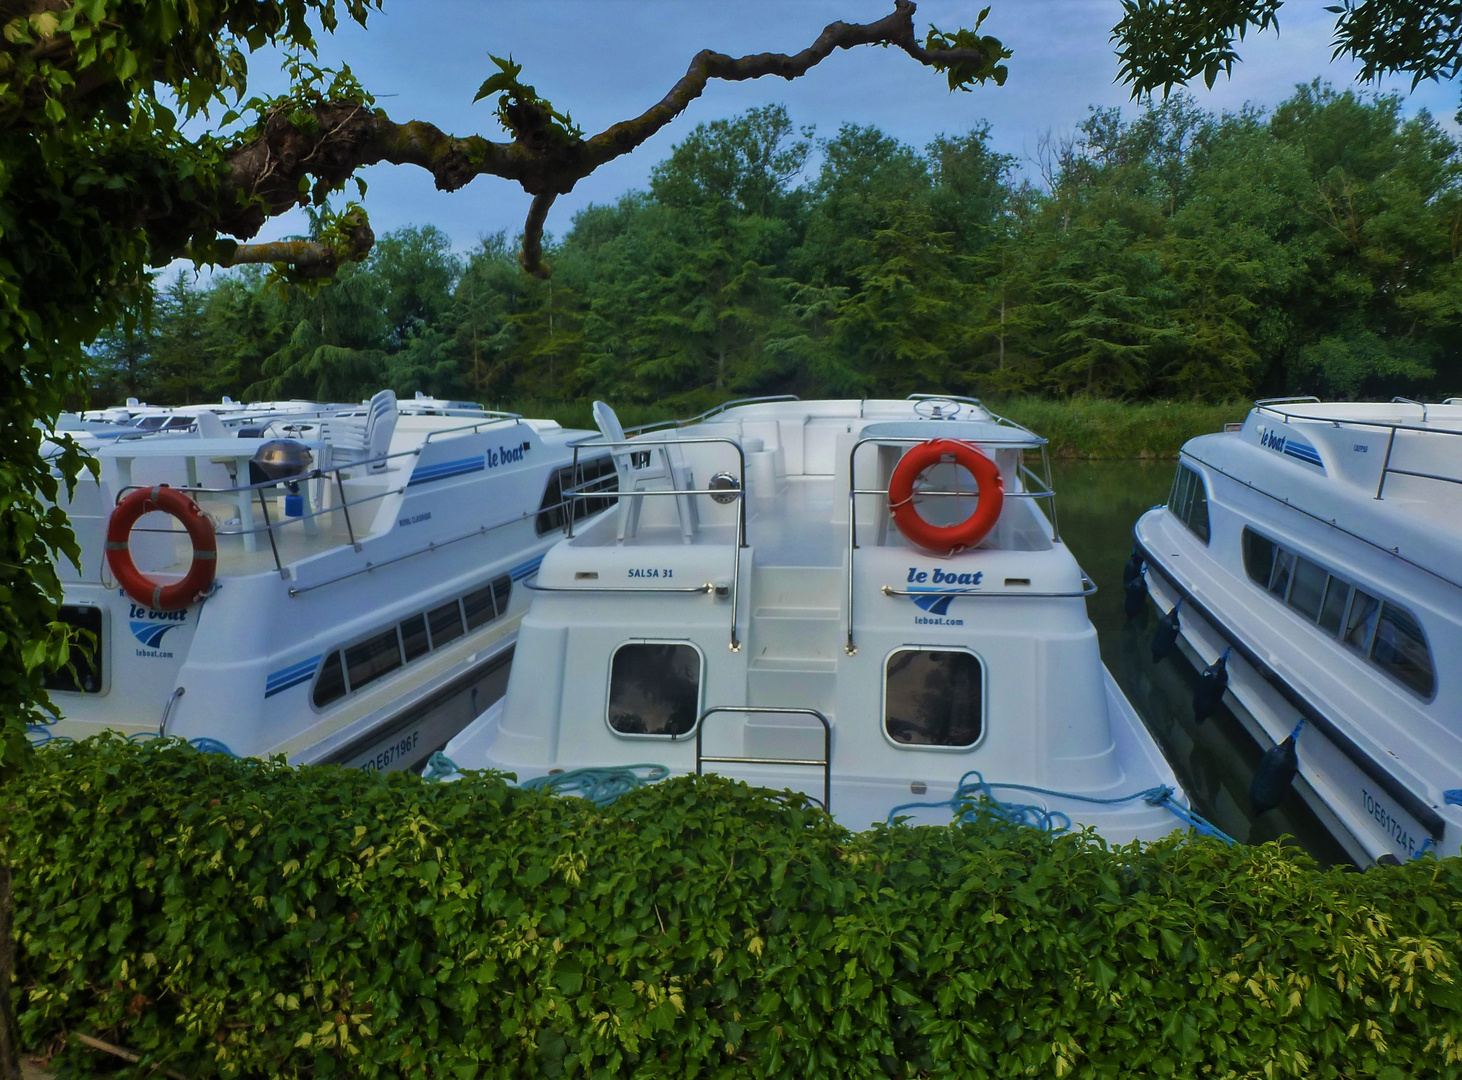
(150, 633)
(934, 605)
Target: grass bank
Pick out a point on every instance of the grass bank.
(1077, 427)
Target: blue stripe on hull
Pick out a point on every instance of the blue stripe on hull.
(293, 675)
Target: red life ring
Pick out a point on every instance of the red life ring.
(139, 586)
(945, 539)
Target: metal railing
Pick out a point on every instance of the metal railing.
(1048, 492)
(826, 762)
(1392, 427)
(642, 444)
(659, 425)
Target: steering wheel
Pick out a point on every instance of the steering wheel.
(937, 408)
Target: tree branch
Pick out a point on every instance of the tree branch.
(339, 138)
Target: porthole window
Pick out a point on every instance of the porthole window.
(934, 697)
(83, 673)
(654, 688)
(1189, 501)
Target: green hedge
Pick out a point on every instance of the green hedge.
(240, 918)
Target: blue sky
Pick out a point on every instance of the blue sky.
(605, 60)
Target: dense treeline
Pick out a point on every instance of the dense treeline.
(1176, 254)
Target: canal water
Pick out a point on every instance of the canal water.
(1098, 502)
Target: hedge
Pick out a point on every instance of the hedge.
(234, 918)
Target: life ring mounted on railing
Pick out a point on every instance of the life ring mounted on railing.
(945, 539)
(196, 582)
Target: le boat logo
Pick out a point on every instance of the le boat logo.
(504, 455)
(1289, 446)
(149, 626)
(937, 603)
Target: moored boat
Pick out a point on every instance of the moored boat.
(1315, 553)
(862, 600)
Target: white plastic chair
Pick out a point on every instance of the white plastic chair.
(660, 473)
(354, 438)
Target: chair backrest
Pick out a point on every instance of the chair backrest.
(380, 426)
(210, 426)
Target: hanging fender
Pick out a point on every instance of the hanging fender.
(136, 584)
(945, 539)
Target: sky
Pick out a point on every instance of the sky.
(603, 61)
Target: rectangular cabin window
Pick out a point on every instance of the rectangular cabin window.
(502, 594)
(367, 661)
(330, 683)
(1258, 558)
(83, 673)
(1308, 588)
(1361, 621)
(445, 623)
(934, 698)
(1333, 611)
(1283, 569)
(413, 637)
(654, 688)
(1189, 501)
(478, 607)
(1400, 648)
(596, 475)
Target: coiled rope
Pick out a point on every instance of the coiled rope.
(981, 791)
(601, 786)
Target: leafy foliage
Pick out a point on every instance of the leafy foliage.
(325, 922)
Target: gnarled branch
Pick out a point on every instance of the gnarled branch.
(266, 172)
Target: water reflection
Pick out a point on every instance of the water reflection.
(1098, 503)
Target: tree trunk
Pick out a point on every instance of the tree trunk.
(9, 1036)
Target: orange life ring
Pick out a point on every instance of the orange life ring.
(139, 586)
(945, 539)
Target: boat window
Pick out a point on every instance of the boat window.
(654, 688)
(370, 659)
(1362, 620)
(1283, 567)
(478, 607)
(1336, 594)
(413, 637)
(446, 623)
(330, 685)
(933, 698)
(1189, 501)
(502, 594)
(84, 673)
(1308, 588)
(1401, 649)
(596, 474)
(1258, 557)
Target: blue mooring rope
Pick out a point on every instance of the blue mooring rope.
(1054, 820)
(601, 786)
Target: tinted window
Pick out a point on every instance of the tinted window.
(478, 607)
(1283, 567)
(413, 637)
(1401, 649)
(595, 475)
(446, 623)
(84, 671)
(1334, 610)
(654, 689)
(933, 698)
(1361, 621)
(330, 686)
(502, 593)
(370, 659)
(1308, 588)
(1258, 557)
(1189, 501)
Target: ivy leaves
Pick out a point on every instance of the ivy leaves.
(324, 922)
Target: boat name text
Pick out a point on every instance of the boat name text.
(414, 519)
(651, 571)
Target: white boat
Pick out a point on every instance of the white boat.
(367, 595)
(751, 608)
(1320, 543)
